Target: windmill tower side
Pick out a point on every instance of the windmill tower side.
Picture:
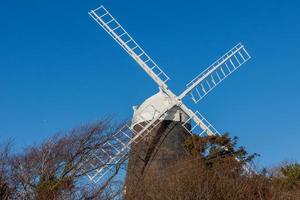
(158, 149)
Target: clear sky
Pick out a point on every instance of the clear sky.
(59, 69)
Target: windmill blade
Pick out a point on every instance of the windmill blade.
(121, 36)
(113, 152)
(200, 86)
(102, 161)
(196, 120)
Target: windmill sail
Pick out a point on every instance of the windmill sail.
(200, 86)
(113, 151)
(108, 155)
(196, 120)
(205, 126)
(121, 36)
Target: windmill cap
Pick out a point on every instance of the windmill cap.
(153, 106)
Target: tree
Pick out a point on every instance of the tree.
(57, 168)
(218, 150)
(5, 189)
(214, 168)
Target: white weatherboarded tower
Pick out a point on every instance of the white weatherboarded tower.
(162, 123)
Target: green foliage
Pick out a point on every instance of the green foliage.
(218, 149)
(292, 174)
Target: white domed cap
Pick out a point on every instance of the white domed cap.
(153, 106)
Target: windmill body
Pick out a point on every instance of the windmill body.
(161, 147)
(162, 122)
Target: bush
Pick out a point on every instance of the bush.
(291, 174)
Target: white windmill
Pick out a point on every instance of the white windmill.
(164, 105)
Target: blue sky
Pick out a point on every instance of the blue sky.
(59, 70)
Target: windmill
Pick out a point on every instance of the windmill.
(165, 106)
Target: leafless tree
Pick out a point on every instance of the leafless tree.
(5, 188)
(58, 168)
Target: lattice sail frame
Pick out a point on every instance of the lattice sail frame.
(112, 152)
(194, 126)
(200, 86)
(122, 37)
(102, 161)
